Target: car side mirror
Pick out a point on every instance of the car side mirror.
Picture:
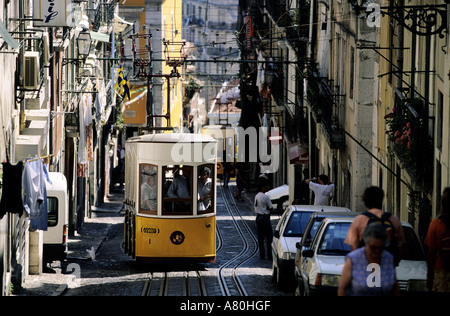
(308, 253)
(276, 234)
(306, 242)
(298, 245)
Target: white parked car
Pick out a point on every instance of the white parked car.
(279, 197)
(288, 232)
(321, 265)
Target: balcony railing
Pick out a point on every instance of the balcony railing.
(103, 14)
(325, 105)
(410, 142)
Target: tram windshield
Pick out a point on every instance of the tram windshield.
(177, 190)
(205, 189)
(148, 189)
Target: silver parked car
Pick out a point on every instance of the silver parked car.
(321, 265)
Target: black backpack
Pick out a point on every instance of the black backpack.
(392, 242)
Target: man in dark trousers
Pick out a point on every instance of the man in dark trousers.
(263, 208)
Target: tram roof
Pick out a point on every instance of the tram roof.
(172, 138)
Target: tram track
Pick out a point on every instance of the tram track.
(228, 275)
(234, 253)
(175, 283)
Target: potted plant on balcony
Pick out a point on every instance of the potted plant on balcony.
(400, 132)
(407, 131)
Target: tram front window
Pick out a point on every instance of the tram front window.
(205, 189)
(177, 186)
(149, 176)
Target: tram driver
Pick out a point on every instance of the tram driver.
(180, 186)
(204, 189)
(180, 189)
(148, 189)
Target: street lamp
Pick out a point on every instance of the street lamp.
(84, 44)
(84, 48)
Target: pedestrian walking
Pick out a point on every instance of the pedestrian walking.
(263, 208)
(370, 270)
(373, 200)
(438, 243)
(322, 188)
(241, 181)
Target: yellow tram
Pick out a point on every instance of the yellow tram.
(170, 197)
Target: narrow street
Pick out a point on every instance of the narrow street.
(113, 273)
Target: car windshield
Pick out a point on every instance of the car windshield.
(413, 249)
(315, 227)
(297, 224)
(332, 242)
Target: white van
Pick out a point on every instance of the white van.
(55, 238)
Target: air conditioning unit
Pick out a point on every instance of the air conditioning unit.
(32, 71)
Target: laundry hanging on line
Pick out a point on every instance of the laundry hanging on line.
(24, 188)
(11, 201)
(35, 194)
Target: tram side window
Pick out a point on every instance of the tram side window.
(205, 189)
(177, 190)
(148, 194)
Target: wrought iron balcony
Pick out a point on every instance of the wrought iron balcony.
(325, 104)
(410, 142)
(103, 13)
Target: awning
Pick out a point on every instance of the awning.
(120, 24)
(8, 38)
(97, 36)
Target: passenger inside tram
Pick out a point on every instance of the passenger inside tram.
(179, 189)
(148, 188)
(204, 189)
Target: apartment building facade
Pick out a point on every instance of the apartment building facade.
(412, 118)
(57, 62)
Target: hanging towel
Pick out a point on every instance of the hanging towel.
(12, 189)
(35, 194)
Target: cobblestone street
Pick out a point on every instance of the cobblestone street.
(112, 273)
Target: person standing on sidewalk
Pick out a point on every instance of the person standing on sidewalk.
(263, 208)
(438, 243)
(322, 189)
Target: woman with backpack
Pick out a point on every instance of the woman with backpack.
(438, 243)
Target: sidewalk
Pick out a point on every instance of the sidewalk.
(93, 233)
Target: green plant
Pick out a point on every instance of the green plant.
(400, 132)
(407, 131)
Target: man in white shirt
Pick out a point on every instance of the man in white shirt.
(263, 208)
(322, 189)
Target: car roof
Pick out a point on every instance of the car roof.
(318, 208)
(338, 219)
(335, 214)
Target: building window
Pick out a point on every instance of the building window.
(352, 71)
(440, 119)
